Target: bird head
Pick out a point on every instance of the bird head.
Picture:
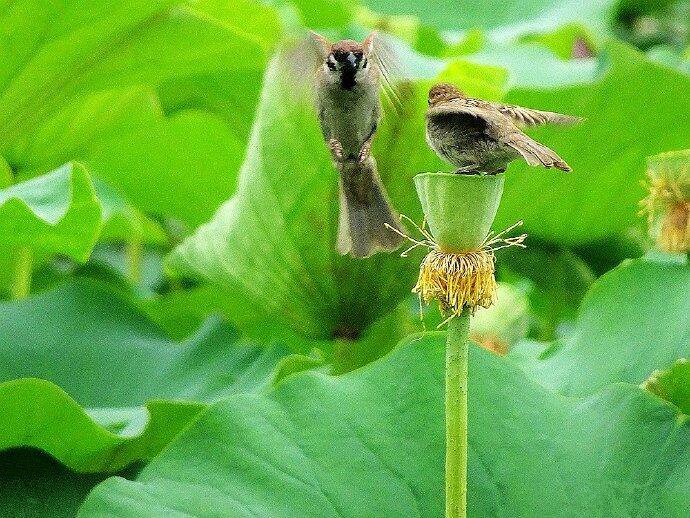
(444, 92)
(346, 62)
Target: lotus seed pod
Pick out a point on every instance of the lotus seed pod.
(459, 270)
(459, 209)
(668, 204)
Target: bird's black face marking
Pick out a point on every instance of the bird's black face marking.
(347, 63)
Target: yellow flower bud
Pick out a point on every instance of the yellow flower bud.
(668, 204)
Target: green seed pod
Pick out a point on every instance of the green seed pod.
(459, 208)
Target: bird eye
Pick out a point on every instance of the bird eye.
(331, 63)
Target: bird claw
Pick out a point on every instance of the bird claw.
(468, 169)
(336, 149)
(365, 152)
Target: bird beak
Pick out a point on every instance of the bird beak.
(352, 61)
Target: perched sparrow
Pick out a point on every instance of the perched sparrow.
(483, 137)
(347, 81)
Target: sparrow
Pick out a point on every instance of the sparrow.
(479, 136)
(347, 81)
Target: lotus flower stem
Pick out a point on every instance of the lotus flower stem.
(21, 279)
(456, 415)
(134, 250)
(458, 272)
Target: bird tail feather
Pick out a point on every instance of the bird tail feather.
(536, 154)
(364, 211)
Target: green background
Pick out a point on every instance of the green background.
(192, 345)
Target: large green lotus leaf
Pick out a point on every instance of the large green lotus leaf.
(154, 161)
(85, 83)
(56, 424)
(64, 213)
(84, 124)
(57, 213)
(633, 320)
(512, 17)
(274, 241)
(35, 485)
(79, 125)
(47, 52)
(80, 47)
(183, 167)
(254, 20)
(634, 109)
(371, 443)
(180, 313)
(79, 362)
(229, 81)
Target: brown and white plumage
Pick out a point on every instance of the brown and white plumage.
(483, 136)
(347, 78)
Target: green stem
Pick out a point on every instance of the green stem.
(456, 416)
(134, 250)
(21, 278)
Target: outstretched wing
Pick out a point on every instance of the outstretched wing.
(483, 116)
(475, 112)
(300, 59)
(529, 117)
(381, 49)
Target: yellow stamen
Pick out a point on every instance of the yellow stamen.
(668, 204)
(675, 229)
(459, 281)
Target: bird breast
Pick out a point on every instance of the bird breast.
(349, 116)
(459, 140)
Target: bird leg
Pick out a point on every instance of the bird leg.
(366, 147)
(365, 151)
(468, 169)
(336, 149)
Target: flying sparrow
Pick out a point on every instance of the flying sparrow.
(483, 137)
(347, 82)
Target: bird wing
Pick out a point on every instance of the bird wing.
(299, 61)
(380, 49)
(474, 111)
(530, 117)
(502, 127)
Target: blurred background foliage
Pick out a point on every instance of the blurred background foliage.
(168, 209)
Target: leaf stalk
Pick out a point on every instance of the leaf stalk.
(134, 251)
(21, 275)
(457, 350)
